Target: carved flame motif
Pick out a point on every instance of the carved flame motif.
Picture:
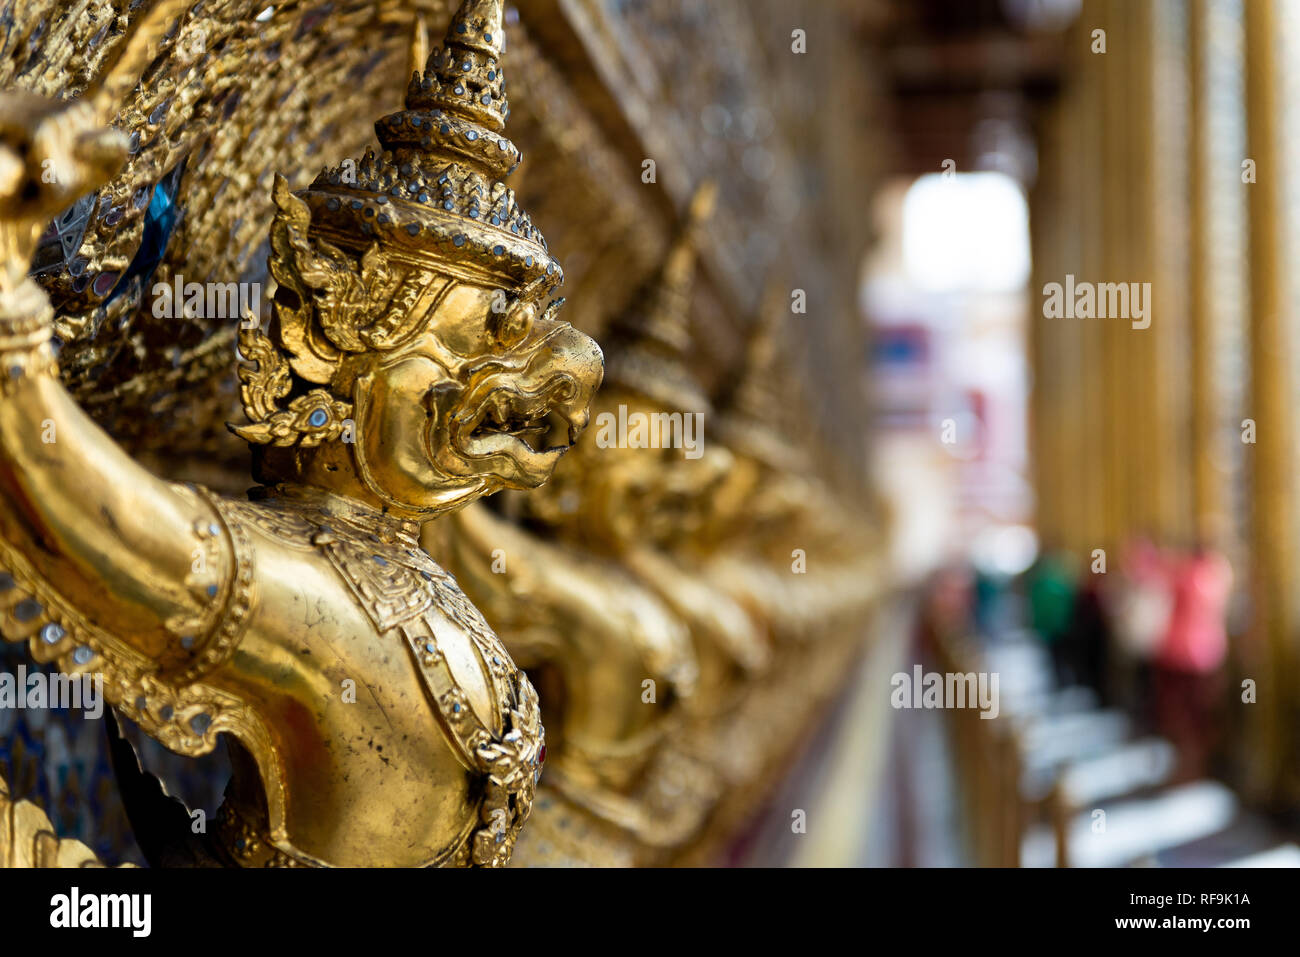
(320, 282)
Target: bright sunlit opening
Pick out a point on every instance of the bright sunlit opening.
(967, 232)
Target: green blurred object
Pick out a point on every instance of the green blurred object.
(1051, 589)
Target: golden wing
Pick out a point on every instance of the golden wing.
(212, 99)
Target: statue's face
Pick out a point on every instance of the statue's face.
(629, 496)
(678, 493)
(488, 399)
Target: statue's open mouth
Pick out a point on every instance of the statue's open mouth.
(534, 428)
(522, 411)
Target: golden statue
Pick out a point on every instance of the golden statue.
(767, 520)
(770, 516)
(642, 505)
(584, 585)
(613, 664)
(411, 366)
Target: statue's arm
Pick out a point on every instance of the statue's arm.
(87, 537)
(135, 555)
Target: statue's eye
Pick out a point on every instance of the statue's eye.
(510, 326)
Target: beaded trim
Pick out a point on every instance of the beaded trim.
(243, 841)
(185, 719)
(232, 606)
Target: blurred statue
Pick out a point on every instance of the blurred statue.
(759, 527)
(585, 593)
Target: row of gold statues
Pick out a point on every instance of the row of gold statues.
(682, 611)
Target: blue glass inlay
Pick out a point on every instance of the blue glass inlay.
(159, 224)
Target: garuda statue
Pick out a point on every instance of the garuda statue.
(585, 587)
(411, 365)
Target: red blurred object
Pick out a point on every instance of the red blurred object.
(1197, 639)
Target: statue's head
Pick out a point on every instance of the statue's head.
(645, 476)
(755, 498)
(413, 356)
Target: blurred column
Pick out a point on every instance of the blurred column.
(1103, 146)
(1272, 519)
(1166, 176)
(1114, 147)
(1218, 370)
(1131, 43)
(1082, 249)
(1079, 416)
(1076, 473)
(1046, 439)
(1113, 429)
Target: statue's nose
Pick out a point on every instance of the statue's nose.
(578, 355)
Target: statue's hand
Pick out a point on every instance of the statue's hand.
(51, 153)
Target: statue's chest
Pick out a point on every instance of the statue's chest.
(421, 623)
(410, 600)
(407, 630)
(462, 666)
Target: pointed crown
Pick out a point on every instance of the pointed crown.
(649, 341)
(750, 421)
(364, 256)
(436, 194)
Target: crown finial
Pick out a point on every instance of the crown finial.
(418, 50)
(463, 76)
(664, 306)
(751, 418)
(436, 192)
(755, 395)
(652, 337)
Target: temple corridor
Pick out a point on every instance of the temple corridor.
(763, 434)
(1083, 369)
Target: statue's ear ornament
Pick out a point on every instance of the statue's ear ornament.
(316, 281)
(308, 420)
